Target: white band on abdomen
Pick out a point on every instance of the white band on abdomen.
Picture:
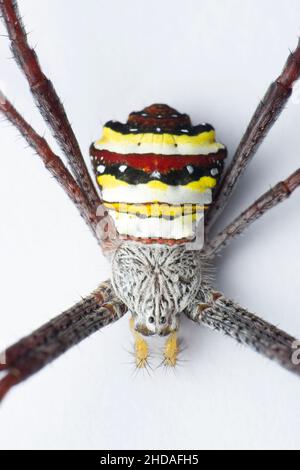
(155, 227)
(142, 193)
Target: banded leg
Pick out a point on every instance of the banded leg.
(263, 119)
(267, 201)
(47, 99)
(221, 314)
(52, 162)
(35, 351)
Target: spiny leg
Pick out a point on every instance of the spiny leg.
(263, 119)
(219, 313)
(47, 99)
(52, 162)
(171, 350)
(35, 351)
(264, 203)
(141, 348)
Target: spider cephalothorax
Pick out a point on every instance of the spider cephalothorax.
(158, 176)
(157, 283)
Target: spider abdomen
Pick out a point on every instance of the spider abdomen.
(157, 173)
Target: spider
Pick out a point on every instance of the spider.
(161, 178)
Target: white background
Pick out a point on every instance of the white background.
(214, 60)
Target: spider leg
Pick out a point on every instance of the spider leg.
(219, 313)
(52, 162)
(35, 351)
(47, 99)
(263, 119)
(264, 203)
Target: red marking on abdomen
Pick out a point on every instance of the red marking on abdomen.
(151, 162)
(156, 240)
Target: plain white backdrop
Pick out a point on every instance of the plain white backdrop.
(214, 60)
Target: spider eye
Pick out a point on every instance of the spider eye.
(163, 320)
(151, 319)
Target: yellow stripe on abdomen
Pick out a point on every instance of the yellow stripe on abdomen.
(154, 209)
(201, 185)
